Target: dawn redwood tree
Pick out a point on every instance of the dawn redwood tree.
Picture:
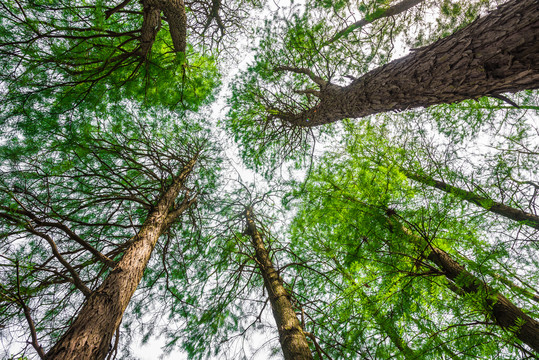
(495, 54)
(63, 55)
(351, 212)
(291, 335)
(87, 211)
(505, 313)
(90, 335)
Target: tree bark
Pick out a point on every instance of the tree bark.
(174, 11)
(89, 336)
(496, 54)
(291, 335)
(486, 203)
(502, 310)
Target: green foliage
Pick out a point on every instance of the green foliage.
(57, 57)
(92, 131)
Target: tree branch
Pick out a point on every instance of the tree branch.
(378, 14)
(317, 79)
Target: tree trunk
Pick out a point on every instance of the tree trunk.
(486, 203)
(291, 335)
(495, 54)
(502, 310)
(90, 335)
(174, 11)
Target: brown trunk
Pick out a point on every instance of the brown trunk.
(90, 335)
(503, 311)
(291, 335)
(495, 54)
(174, 11)
(150, 26)
(486, 203)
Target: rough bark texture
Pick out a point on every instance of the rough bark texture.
(90, 335)
(486, 203)
(498, 53)
(291, 335)
(174, 11)
(504, 312)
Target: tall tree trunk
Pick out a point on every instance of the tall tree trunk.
(484, 202)
(495, 54)
(502, 310)
(291, 335)
(174, 11)
(90, 335)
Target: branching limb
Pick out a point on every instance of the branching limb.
(319, 349)
(393, 10)
(317, 79)
(76, 279)
(117, 8)
(28, 317)
(72, 235)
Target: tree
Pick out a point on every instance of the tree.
(413, 232)
(291, 335)
(91, 216)
(357, 230)
(493, 55)
(62, 55)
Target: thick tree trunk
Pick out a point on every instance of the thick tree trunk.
(502, 310)
(174, 11)
(486, 203)
(90, 335)
(495, 54)
(291, 335)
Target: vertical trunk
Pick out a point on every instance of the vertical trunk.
(502, 310)
(90, 335)
(495, 54)
(291, 335)
(174, 11)
(486, 203)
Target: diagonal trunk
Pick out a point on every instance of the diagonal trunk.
(495, 54)
(291, 335)
(502, 310)
(89, 336)
(151, 24)
(486, 203)
(174, 11)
